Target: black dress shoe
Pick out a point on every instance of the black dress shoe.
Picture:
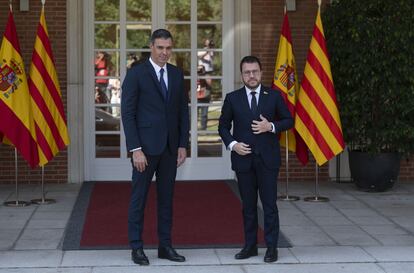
(138, 257)
(169, 253)
(246, 252)
(271, 255)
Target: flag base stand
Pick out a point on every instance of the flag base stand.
(43, 200)
(16, 204)
(316, 199)
(288, 198)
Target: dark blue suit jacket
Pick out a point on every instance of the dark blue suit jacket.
(149, 120)
(236, 109)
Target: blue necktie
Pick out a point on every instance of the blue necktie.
(163, 85)
(253, 103)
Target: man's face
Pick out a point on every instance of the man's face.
(251, 75)
(161, 51)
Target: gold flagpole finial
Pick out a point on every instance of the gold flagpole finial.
(10, 5)
(319, 3)
(43, 2)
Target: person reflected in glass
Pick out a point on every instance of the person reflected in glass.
(205, 69)
(102, 69)
(203, 96)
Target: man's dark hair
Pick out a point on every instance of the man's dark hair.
(160, 33)
(250, 60)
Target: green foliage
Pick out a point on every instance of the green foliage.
(371, 45)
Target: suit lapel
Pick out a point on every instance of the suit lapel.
(245, 102)
(262, 99)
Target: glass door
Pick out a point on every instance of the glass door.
(118, 38)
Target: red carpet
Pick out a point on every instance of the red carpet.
(206, 214)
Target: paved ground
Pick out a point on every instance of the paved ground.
(354, 232)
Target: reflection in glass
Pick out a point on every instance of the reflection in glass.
(177, 10)
(211, 32)
(138, 10)
(134, 58)
(209, 90)
(106, 63)
(105, 119)
(106, 10)
(138, 36)
(209, 10)
(107, 146)
(208, 117)
(214, 64)
(181, 35)
(209, 145)
(182, 60)
(106, 36)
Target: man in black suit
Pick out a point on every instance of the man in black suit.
(258, 115)
(155, 117)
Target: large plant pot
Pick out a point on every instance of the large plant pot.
(374, 172)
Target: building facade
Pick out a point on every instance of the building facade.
(95, 41)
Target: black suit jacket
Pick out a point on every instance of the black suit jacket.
(150, 121)
(236, 110)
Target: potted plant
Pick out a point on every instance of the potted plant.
(371, 46)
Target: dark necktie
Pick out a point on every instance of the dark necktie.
(253, 103)
(163, 85)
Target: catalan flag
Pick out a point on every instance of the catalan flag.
(317, 117)
(286, 81)
(47, 103)
(17, 125)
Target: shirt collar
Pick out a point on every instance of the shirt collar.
(157, 67)
(257, 90)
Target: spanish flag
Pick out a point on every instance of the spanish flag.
(286, 81)
(47, 103)
(17, 124)
(317, 116)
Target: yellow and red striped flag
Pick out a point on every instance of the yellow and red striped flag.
(17, 125)
(317, 116)
(47, 102)
(286, 81)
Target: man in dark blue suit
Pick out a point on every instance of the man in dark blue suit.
(258, 115)
(155, 117)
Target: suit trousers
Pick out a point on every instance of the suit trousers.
(262, 180)
(165, 168)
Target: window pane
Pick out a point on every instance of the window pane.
(182, 60)
(107, 146)
(209, 35)
(181, 35)
(106, 36)
(208, 116)
(106, 10)
(209, 90)
(178, 10)
(106, 64)
(210, 63)
(138, 36)
(104, 119)
(209, 10)
(138, 10)
(209, 145)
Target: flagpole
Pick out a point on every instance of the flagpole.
(17, 202)
(286, 197)
(43, 200)
(316, 198)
